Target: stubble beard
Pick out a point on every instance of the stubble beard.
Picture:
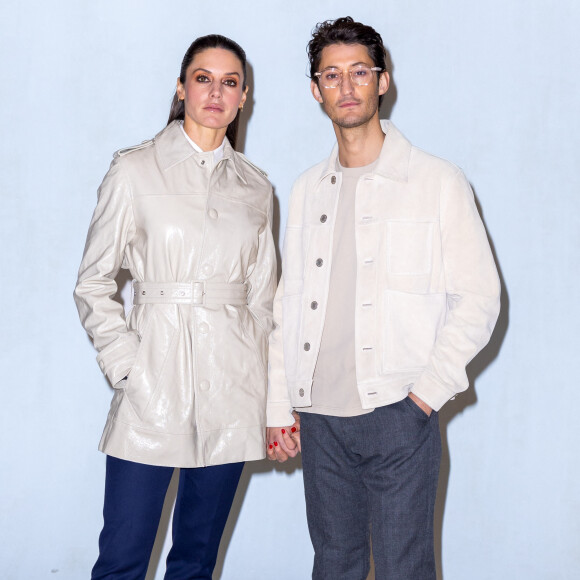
(350, 123)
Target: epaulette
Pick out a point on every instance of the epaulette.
(244, 158)
(126, 150)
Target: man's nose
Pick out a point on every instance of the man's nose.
(346, 86)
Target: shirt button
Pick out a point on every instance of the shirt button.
(204, 328)
(314, 305)
(306, 346)
(207, 269)
(203, 161)
(204, 385)
(323, 218)
(301, 392)
(319, 262)
(333, 179)
(212, 213)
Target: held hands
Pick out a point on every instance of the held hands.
(283, 442)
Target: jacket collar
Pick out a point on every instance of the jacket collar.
(393, 159)
(173, 149)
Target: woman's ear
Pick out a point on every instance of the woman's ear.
(180, 90)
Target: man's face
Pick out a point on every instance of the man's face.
(349, 105)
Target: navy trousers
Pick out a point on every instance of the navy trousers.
(134, 496)
(373, 474)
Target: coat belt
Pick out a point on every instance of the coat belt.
(193, 293)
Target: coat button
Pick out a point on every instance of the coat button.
(207, 269)
(319, 262)
(204, 328)
(333, 179)
(204, 385)
(306, 346)
(301, 392)
(323, 218)
(314, 305)
(212, 213)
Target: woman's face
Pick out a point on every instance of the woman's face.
(213, 89)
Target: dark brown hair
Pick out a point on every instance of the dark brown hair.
(177, 111)
(345, 31)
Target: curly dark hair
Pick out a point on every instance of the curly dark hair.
(345, 31)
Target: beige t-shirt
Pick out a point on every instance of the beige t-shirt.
(334, 390)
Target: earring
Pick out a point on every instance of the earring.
(241, 108)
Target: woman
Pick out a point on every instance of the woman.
(191, 219)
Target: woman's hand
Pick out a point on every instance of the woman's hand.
(283, 442)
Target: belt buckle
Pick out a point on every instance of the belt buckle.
(198, 293)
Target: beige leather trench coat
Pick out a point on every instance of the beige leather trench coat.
(197, 240)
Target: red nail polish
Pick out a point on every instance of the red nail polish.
(293, 429)
(271, 447)
(275, 443)
(283, 431)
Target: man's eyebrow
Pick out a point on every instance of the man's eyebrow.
(350, 65)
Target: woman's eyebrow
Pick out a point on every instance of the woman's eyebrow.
(211, 72)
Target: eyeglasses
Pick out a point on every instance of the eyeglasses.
(360, 75)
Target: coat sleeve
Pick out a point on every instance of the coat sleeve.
(262, 279)
(473, 295)
(279, 408)
(111, 228)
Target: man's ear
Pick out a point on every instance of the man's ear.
(316, 91)
(384, 81)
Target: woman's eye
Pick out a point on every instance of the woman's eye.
(202, 79)
(231, 82)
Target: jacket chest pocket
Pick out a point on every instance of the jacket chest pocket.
(409, 247)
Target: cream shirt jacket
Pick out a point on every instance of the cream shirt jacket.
(427, 289)
(197, 240)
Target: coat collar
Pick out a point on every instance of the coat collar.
(173, 149)
(393, 160)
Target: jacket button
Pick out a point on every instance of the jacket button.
(301, 392)
(203, 161)
(333, 179)
(204, 385)
(204, 328)
(319, 262)
(307, 346)
(323, 218)
(314, 305)
(212, 213)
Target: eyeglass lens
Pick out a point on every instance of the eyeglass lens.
(359, 75)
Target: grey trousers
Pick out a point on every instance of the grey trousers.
(375, 473)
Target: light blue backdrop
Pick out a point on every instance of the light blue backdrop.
(492, 86)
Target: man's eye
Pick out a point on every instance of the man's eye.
(231, 82)
(361, 72)
(331, 76)
(202, 79)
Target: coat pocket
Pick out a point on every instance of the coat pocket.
(409, 328)
(409, 247)
(156, 340)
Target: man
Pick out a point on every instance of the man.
(389, 289)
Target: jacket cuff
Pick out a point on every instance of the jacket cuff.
(432, 391)
(117, 359)
(279, 414)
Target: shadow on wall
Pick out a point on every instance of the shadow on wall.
(464, 400)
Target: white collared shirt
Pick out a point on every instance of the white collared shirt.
(217, 153)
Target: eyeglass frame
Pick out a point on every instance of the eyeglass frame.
(318, 74)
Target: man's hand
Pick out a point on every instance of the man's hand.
(283, 442)
(421, 404)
